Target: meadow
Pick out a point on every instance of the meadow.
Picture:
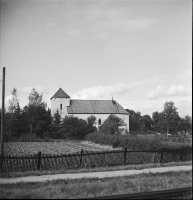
(87, 188)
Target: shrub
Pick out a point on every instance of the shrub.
(111, 124)
(73, 127)
(150, 132)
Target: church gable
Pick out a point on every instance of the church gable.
(95, 107)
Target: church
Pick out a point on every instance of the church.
(101, 109)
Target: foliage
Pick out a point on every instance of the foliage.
(134, 120)
(158, 122)
(171, 117)
(186, 124)
(73, 127)
(34, 118)
(111, 125)
(135, 142)
(91, 120)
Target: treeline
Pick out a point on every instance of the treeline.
(35, 121)
(167, 121)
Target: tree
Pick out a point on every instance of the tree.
(12, 107)
(19, 122)
(91, 120)
(57, 119)
(147, 121)
(35, 98)
(56, 125)
(111, 124)
(73, 127)
(158, 122)
(171, 117)
(49, 121)
(13, 101)
(134, 120)
(36, 113)
(186, 124)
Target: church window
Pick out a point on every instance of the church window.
(60, 106)
(99, 122)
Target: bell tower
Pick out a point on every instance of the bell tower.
(60, 100)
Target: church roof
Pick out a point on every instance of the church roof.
(95, 107)
(60, 94)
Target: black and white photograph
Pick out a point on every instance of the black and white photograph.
(96, 99)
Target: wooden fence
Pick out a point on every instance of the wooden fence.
(92, 159)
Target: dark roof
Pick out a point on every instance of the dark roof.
(60, 94)
(95, 107)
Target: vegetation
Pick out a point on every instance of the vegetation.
(53, 160)
(138, 142)
(34, 122)
(73, 127)
(161, 122)
(111, 125)
(85, 188)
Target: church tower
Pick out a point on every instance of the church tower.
(60, 101)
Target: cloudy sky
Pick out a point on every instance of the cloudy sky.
(139, 52)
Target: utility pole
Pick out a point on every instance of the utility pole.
(2, 118)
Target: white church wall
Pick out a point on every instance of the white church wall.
(60, 104)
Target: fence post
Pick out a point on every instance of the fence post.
(81, 154)
(181, 156)
(162, 156)
(125, 156)
(39, 160)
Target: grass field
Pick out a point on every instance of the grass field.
(85, 188)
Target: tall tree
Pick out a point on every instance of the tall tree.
(186, 124)
(13, 101)
(134, 120)
(148, 122)
(12, 107)
(36, 113)
(171, 117)
(158, 122)
(57, 119)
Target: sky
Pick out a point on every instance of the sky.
(138, 52)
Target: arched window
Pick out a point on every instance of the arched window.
(60, 106)
(99, 121)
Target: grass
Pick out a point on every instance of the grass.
(87, 188)
(99, 169)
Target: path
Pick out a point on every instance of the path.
(105, 174)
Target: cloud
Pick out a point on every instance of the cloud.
(23, 94)
(161, 92)
(105, 92)
(178, 91)
(185, 74)
(40, 89)
(157, 93)
(183, 105)
(100, 20)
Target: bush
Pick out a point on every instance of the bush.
(150, 132)
(73, 127)
(136, 142)
(111, 124)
